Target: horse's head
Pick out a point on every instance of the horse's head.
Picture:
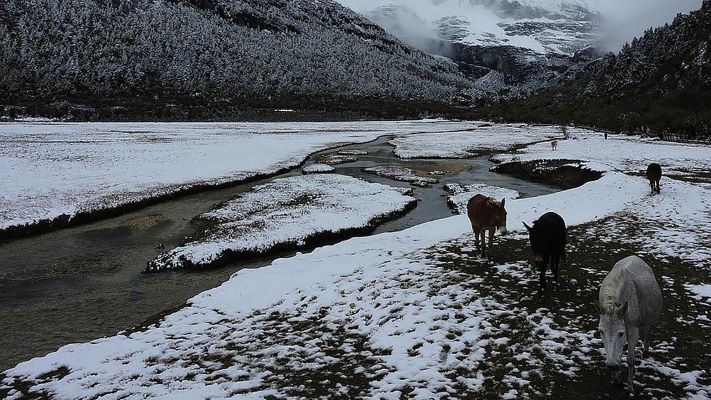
(499, 215)
(535, 236)
(613, 333)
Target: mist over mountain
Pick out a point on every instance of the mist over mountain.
(659, 82)
(564, 26)
(510, 49)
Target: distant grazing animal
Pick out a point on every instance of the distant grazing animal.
(554, 145)
(486, 214)
(654, 174)
(548, 237)
(630, 305)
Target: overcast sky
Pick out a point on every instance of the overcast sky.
(630, 18)
(625, 18)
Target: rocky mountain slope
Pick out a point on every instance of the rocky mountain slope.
(659, 82)
(508, 48)
(187, 58)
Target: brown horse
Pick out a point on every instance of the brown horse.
(554, 145)
(654, 174)
(486, 214)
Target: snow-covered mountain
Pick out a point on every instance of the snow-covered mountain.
(506, 47)
(659, 82)
(543, 26)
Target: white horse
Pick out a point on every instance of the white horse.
(630, 304)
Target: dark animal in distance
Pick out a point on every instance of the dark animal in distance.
(554, 145)
(630, 305)
(654, 174)
(485, 215)
(548, 237)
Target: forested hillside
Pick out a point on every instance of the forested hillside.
(85, 57)
(658, 83)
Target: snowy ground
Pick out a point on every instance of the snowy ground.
(401, 174)
(677, 222)
(287, 212)
(482, 138)
(318, 169)
(416, 314)
(459, 195)
(51, 169)
(629, 154)
(335, 159)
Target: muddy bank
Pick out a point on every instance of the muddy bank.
(564, 174)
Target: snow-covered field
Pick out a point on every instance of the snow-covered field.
(416, 314)
(459, 195)
(629, 154)
(51, 169)
(480, 138)
(287, 212)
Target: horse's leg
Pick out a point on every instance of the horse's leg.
(555, 261)
(651, 183)
(476, 237)
(542, 278)
(491, 241)
(645, 340)
(632, 338)
(481, 241)
(659, 189)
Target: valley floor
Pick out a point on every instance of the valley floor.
(416, 314)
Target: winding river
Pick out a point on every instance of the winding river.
(81, 283)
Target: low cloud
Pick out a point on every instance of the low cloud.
(623, 19)
(626, 19)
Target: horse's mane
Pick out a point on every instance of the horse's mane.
(608, 293)
(493, 202)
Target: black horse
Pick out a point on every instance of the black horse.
(654, 174)
(548, 237)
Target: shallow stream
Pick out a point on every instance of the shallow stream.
(86, 282)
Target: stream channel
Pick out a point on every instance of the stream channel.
(86, 282)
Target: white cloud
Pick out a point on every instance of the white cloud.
(629, 18)
(624, 19)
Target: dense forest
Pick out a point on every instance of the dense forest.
(659, 83)
(101, 56)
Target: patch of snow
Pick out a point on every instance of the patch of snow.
(400, 173)
(318, 169)
(286, 212)
(335, 158)
(353, 152)
(630, 154)
(700, 292)
(478, 139)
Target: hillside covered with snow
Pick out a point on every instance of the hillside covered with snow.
(167, 56)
